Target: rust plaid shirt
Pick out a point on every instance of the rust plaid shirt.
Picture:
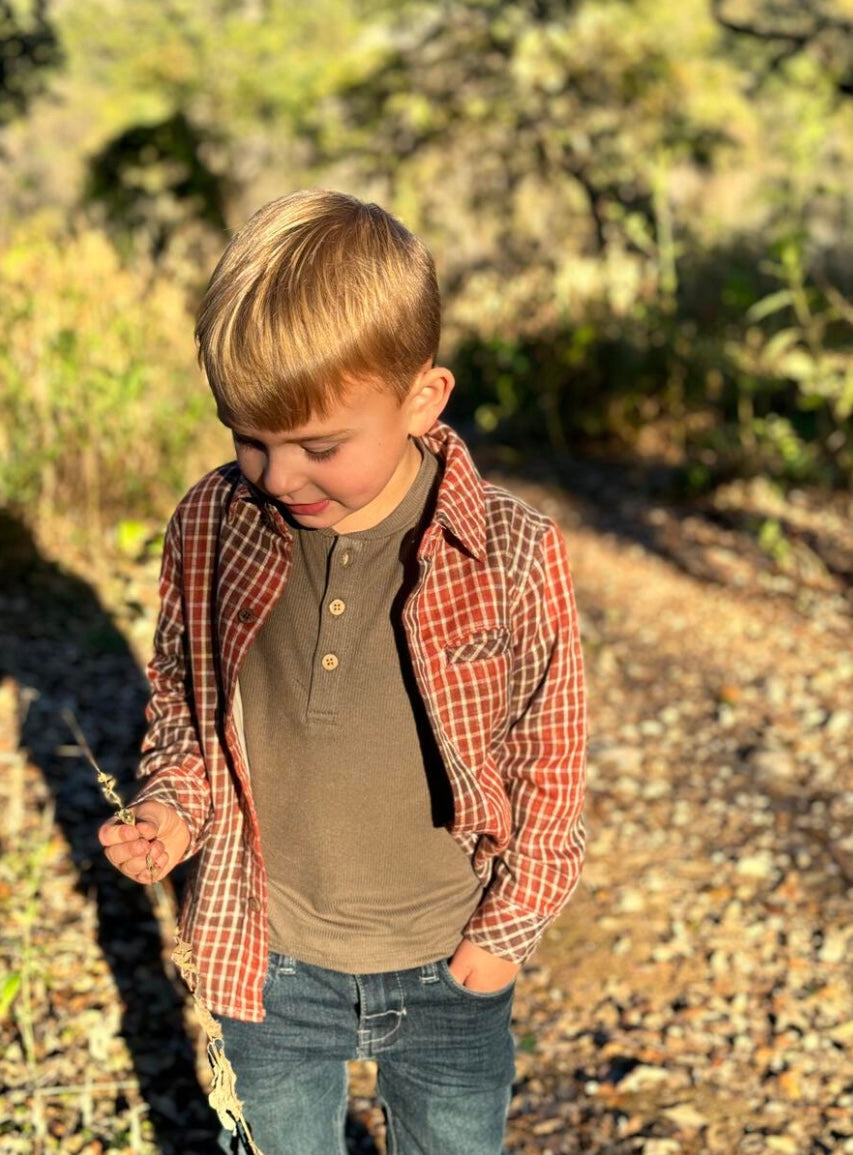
(493, 634)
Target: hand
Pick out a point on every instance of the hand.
(150, 848)
(480, 970)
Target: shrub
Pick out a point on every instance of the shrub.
(101, 403)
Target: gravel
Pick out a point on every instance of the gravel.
(694, 997)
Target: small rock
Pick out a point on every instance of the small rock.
(630, 787)
(814, 718)
(652, 728)
(784, 1144)
(776, 692)
(834, 949)
(632, 900)
(548, 1126)
(777, 764)
(839, 722)
(761, 865)
(842, 1034)
(628, 759)
(643, 1077)
(686, 1117)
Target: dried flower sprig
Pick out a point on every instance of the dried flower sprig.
(106, 782)
(223, 1090)
(222, 1096)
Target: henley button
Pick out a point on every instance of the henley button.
(337, 607)
(346, 558)
(330, 661)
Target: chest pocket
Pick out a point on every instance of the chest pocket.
(475, 682)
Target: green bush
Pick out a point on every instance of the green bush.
(101, 405)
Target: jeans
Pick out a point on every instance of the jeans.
(444, 1055)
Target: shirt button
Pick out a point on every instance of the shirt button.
(337, 607)
(330, 661)
(254, 905)
(245, 615)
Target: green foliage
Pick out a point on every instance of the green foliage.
(794, 371)
(10, 987)
(640, 213)
(153, 179)
(29, 49)
(572, 163)
(90, 420)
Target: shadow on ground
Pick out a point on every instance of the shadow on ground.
(65, 652)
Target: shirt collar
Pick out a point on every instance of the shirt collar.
(461, 505)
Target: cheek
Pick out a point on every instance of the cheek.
(348, 477)
(250, 464)
(369, 480)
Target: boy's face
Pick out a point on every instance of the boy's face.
(349, 470)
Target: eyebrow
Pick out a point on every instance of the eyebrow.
(332, 435)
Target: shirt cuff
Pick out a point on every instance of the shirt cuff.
(160, 787)
(505, 930)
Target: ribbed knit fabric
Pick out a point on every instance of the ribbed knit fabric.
(349, 787)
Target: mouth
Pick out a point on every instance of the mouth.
(309, 510)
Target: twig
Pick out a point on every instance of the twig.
(106, 782)
(223, 1097)
(223, 1092)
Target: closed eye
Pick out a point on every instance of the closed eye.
(322, 454)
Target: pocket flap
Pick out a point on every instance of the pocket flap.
(479, 647)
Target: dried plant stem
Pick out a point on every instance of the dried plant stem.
(222, 1097)
(106, 782)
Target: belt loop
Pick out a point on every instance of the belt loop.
(429, 973)
(282, 964)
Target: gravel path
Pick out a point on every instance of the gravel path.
(695, 997)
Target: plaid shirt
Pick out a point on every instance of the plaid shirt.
(493, 634)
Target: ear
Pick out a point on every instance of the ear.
(427, 398)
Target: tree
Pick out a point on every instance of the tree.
(28, 50)
(787, 28)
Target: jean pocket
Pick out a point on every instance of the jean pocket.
(478, 996)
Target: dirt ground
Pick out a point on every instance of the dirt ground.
(695, 995)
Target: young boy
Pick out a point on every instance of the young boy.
(367, 712)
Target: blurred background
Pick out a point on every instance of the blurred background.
(641, 212)
(642, 216)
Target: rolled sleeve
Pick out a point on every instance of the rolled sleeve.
(543, 765)
(172, 766)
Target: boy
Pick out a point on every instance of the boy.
(367, 715)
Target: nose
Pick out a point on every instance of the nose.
(281, 476)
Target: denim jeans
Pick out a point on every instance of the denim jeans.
(444, 1055)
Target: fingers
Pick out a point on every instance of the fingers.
(142, 861)
(134, 850)
(474, 967)
(147, 849)
(460, 973)
(115, 831)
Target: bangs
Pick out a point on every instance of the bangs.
(317, 292)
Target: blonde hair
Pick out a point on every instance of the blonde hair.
(317, 291)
